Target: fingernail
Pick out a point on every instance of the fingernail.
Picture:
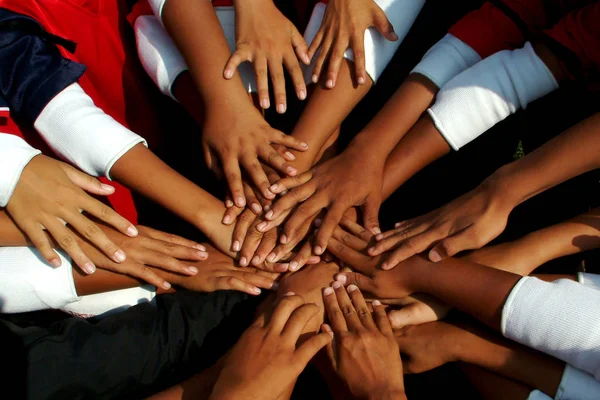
(290, 156)
(227, 219)
(315, 78)
(397, 224)
(264, 103)
(281, 267)
(329, 83)
(240, 201)
(304, 144)
(327, 329)
(202, 255)
(376, 303)
(271, 257)
(283, 239)
(243, 261)
(273, 188)
(228, 74)
(394, 36)
(294, 265)
(289, 294)
(200, 247)
(166, 285)
(376, 230)
(55, 262)
(120, 256)
(291, 171)
(327, 291)
(269, 215)
(379, 236)
(228, 203)
(361, 80)
(275, 286)
(107, 188)
(256, 260)
(192, 270)
(352, 288)
(261, 226)
(267, 207)
(89, 268)
(385, 266)
(336, 285)
(306, 59)
(302, 94)
(281, 108)
(318, 250)
(132, 231)
(256, 208)
(435, 256)
(256, 290)
(341, 279)
(318, 222)
(236, 246)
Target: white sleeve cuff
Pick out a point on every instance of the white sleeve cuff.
(378, 50)
(537, 395)
(488, 92)
(158, 54)
(15, 154)
(589, 280)
(108, 303)
(28, 283)
(558, 318)
(82, 133)
(446, 59)
(576, 384)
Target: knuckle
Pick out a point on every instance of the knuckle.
(67, 241)
(363, 312)
(90, 230)
(105, 211)
(347, 309)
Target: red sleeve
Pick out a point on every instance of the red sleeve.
(579, 32)
(140, 8)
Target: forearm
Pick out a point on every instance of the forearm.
(421, 146)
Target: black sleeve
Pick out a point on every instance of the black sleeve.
(32, 70)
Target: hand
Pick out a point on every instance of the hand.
(427, 346)
(149, 252)
(364, 352)
(267, 39)
(219, 272)
(235, 134)
(349, 244)
(416, 309)
(49, 195)
(469, 222)
(337, 185)
(266, 362)
(344, 25)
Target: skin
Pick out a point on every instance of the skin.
(49, 194)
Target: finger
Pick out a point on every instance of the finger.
(284, 309)
(290, 200)
(329, 349)
(86, 182)
(464, 240)
(381, 319)
(140, 271)
(95, 236)
(371, 214)
(410, 247)
(266, 246)
(254, 277)
(67, 241)
(252, 200)
(347, 254)
(356, 229)
(107, 215)
(240, 56)
(302, 257)
(360, 305)
(294, 237)
(42, 243)
(325, 49)
(172, 238)
(293, 67)
(251, 243)
(384, 26)
(273, 159)
(333, 311)
(231, 214)
(278, 80)
(330, 222)
(312, 346)
(358, 48)
(262, 81)
(399, 235)
(291, 182)
(176, 250)
(299, 222)
(348, 310)
(239, 232)
(349, 240)
(412, 314)
(233, 283)
(300, 47)
(354, 278)
(161, 260)
(335, 62)
(289, 141)
(233, 176)
(294, 327)
(257, 175)
(315, 44)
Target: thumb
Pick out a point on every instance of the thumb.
(464, 240)
(311, 347)
(300, 46)
(384, 26)
(412, 314)
(371, 214)
(363, 282)
(87, 182)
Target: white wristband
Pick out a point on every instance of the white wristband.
(378, 50)
(108, 303)
(446, 59)
(488, 92)
(82, 133)
(15, 154)
(576, 384)
(159, 56)
(28, 283)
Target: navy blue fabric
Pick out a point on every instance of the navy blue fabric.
(32, 70)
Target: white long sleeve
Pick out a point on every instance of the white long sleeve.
(559, 318)
(574, 385)
(444, 60)
(378, 50)
(15, 154)
(488, 92)
(81, 133)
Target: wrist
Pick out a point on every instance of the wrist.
(502, 186)
(389, 394)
